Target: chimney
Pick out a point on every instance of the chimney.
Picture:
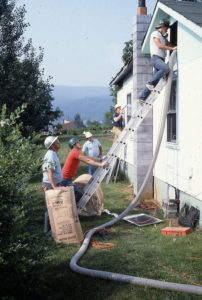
(141, 10)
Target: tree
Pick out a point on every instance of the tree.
(126, 56)
(94, 124)
(21, 79)
(78, 122)
(127, 51)
(108, 115)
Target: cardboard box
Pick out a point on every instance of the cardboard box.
(64, 221)
(176, 231)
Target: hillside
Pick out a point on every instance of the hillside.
(90, 102)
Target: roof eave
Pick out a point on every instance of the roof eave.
(122, 73)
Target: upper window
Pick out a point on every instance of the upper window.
(172, 112)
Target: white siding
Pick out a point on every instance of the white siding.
(180, 164)
(126, 89)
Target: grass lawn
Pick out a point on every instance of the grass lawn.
(138, 251)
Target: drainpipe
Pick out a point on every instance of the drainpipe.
(141, 10)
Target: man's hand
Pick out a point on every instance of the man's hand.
(103, 158)
(104, 164)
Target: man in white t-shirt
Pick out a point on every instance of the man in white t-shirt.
(92, 148)
(158, 46)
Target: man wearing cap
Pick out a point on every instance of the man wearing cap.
(117, 122)
(158, 46)
(72, 163)
(91, 148)
(52, 172)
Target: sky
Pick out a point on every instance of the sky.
(82, 39)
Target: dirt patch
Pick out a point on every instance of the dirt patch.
(173, 222)
(128, 190)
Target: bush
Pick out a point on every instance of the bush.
(20, 250)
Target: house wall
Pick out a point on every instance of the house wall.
(126, 89)
(127, 153)
(180, 164)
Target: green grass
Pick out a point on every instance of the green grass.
(143, 252)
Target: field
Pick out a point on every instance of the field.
(137, 251)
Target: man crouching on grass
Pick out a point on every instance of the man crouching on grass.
(72, 163)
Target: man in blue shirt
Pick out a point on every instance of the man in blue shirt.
(52, 173)
(117, 122)
(92, 148)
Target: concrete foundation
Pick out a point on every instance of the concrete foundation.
(161, 195)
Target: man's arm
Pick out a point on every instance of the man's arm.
(116, 119)
(162, 46)
(51, 180)
(84, 153)
(92, 161)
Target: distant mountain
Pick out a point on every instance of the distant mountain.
(90, 103)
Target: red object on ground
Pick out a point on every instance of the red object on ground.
(176, 231)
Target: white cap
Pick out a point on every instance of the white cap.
(116, 106)
(88, 134)
(49, 141)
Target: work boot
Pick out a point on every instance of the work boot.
(150, 86)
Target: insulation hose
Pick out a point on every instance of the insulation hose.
(126, 278)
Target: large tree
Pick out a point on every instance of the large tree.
(21, 79)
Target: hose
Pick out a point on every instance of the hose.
(126, 278)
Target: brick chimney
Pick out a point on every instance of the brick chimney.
(141, 10)
(142, 72)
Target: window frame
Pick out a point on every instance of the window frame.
(172, 112)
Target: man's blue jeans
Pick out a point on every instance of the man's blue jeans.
(78, 193)
(160, 69)
(91, 168)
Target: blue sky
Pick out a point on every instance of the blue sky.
(82, 39)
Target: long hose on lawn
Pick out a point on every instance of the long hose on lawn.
(126, 278)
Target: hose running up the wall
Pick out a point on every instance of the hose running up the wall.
(126, 278)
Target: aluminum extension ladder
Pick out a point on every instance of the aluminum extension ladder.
(114, 151)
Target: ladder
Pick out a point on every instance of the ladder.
(114, 151)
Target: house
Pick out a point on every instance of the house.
(178, 169)
(67, 125)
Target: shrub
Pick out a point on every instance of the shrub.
(20, 250)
